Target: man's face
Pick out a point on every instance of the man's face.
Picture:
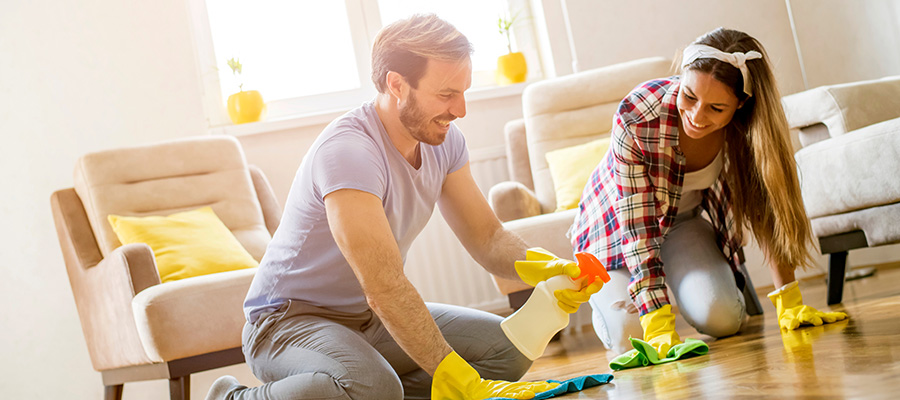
(705, 105)
(439, 99)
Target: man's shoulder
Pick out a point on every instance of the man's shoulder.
(355, 128)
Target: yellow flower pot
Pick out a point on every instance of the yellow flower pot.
(511, 68)
(246, 106)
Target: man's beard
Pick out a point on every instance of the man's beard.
(418, 124)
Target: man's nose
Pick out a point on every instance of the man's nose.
(458, 107)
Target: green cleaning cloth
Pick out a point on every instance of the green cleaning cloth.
(570, 386)
(644, 354)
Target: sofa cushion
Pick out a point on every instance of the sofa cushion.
(169, 177)
(576, 109)
(185, 244)
(871, 221)
(192, 316)
(851, 172)
(571, 168)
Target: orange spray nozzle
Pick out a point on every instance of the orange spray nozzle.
(591, 268)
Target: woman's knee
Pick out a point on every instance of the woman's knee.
(717, 318)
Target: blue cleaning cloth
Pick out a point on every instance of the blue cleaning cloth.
(570, 386)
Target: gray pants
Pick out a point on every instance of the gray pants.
(698, 276)
(306, 352)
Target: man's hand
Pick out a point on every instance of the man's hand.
(540, 265)
(455, 379)
(570, 300)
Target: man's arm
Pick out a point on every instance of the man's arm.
(467, 212)
(361, 230)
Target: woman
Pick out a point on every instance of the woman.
(713, 139)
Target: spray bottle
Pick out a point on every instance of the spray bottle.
(532, 326)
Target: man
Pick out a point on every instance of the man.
(330, 312)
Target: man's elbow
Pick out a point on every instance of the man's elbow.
(384, 295)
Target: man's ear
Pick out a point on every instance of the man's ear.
(396, 85)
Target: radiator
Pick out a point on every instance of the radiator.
(440, 267)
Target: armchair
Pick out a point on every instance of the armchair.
(848, 163)
(135, 327)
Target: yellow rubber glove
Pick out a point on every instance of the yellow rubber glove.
(569, 300)
(792, 313)
(455, 379)
(659, 330)
(540, 265)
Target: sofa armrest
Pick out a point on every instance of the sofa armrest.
(845, 107)
(103, 288)
(517, 153)
(271, 209)
(512, 201)
(547, 231)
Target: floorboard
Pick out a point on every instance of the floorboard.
(857, 358)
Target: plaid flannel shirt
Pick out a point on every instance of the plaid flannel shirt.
(632, 196)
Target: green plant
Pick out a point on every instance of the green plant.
(504, 26)
(235, 65)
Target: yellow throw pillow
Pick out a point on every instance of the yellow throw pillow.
(186, 244)
(571, 167)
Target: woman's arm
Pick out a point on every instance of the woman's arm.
(781, 274)
(636, 213)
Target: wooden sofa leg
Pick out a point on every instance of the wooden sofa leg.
(837, 264)
(113, 392)
(180, 388)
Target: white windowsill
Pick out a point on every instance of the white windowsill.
(320, 118)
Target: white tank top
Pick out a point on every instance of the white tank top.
(697, 181)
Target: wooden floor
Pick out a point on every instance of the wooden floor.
(857, 358)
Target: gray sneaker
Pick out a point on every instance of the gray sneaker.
(223, 387)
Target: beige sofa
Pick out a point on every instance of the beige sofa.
(135, 327)
(558, 113)
(849, 163)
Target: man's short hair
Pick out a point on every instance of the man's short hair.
(405, 46)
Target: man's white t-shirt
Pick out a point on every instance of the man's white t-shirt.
(302, 262)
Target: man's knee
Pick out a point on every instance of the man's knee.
(507, 363)
(377, 383)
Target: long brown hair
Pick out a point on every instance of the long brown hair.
(761, 172)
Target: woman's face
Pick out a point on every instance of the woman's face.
(705, 104)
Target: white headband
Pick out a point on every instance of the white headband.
(738, 60)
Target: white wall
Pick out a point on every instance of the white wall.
(83, 76)
(75, 77)
(846, 41)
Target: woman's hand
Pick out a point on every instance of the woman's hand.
(659, 330)
(792, 313)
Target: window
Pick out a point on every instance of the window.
(308, 56)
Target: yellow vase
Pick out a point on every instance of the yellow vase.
(511, 68)
(246, 106)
